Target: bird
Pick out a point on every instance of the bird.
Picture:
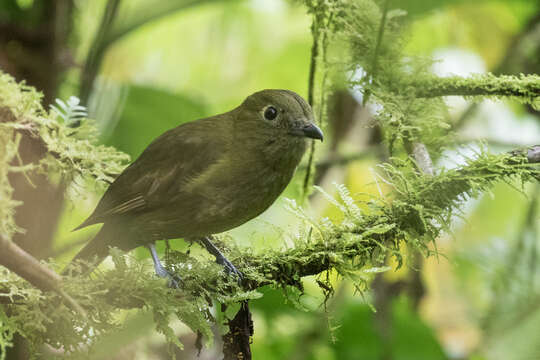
(202, 178)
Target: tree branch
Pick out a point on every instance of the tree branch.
(29, 268)
(380, 32)
(113, 29)
(526, 87)
(413, 218)
(312, 258)
(147, 13)
(421, 155)
(26, 266)
(236, 343)
(340, 160)
(315, 47)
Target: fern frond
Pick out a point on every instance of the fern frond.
(70, 111)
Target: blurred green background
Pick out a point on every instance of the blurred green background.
(162, 63)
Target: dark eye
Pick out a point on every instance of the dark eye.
(270, 113)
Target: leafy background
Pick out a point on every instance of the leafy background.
(482, 295)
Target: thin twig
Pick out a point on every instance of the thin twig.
(340, 160)
(311, 89)
(318, 45)
(423, 160)
(97, 50)
(148, 12)
(313, 62)
(380, 34)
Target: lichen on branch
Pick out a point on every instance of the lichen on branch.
(354, 247)
(523, 88)
(72, 151)
(365, 45)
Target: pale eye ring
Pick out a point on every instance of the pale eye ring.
(270, 113)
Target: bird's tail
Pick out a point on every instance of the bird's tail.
(93, 253)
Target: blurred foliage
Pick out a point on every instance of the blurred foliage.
(73, 152)
(287, 334)
(153, 110)
(356, 248)
(204, 60)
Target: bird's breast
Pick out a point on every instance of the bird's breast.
(231, 191)
(235, 192)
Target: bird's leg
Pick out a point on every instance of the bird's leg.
(221, 259)
(160, 270)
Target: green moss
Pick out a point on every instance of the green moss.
(356, 247)
(523, 88)
(72, 152)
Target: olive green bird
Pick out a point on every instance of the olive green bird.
(205, 177)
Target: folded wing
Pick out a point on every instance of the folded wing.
(170, 161)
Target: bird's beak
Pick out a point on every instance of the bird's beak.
(309, 130)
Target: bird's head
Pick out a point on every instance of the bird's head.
(280, 114)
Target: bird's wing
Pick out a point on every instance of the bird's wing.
(171, 160)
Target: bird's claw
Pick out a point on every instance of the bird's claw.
(173, 281)
(231, 269)
(221, 259)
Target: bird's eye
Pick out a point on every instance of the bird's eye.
(270, 113)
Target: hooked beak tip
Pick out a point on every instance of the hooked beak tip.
(312, 131)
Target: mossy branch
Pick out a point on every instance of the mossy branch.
(359, 241)
(421, 206)
(354, 248)
(525, 88)
(360, 235)
(25, 265)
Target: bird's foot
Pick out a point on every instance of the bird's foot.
(221, 259)
(230, 268)
(173, 279)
